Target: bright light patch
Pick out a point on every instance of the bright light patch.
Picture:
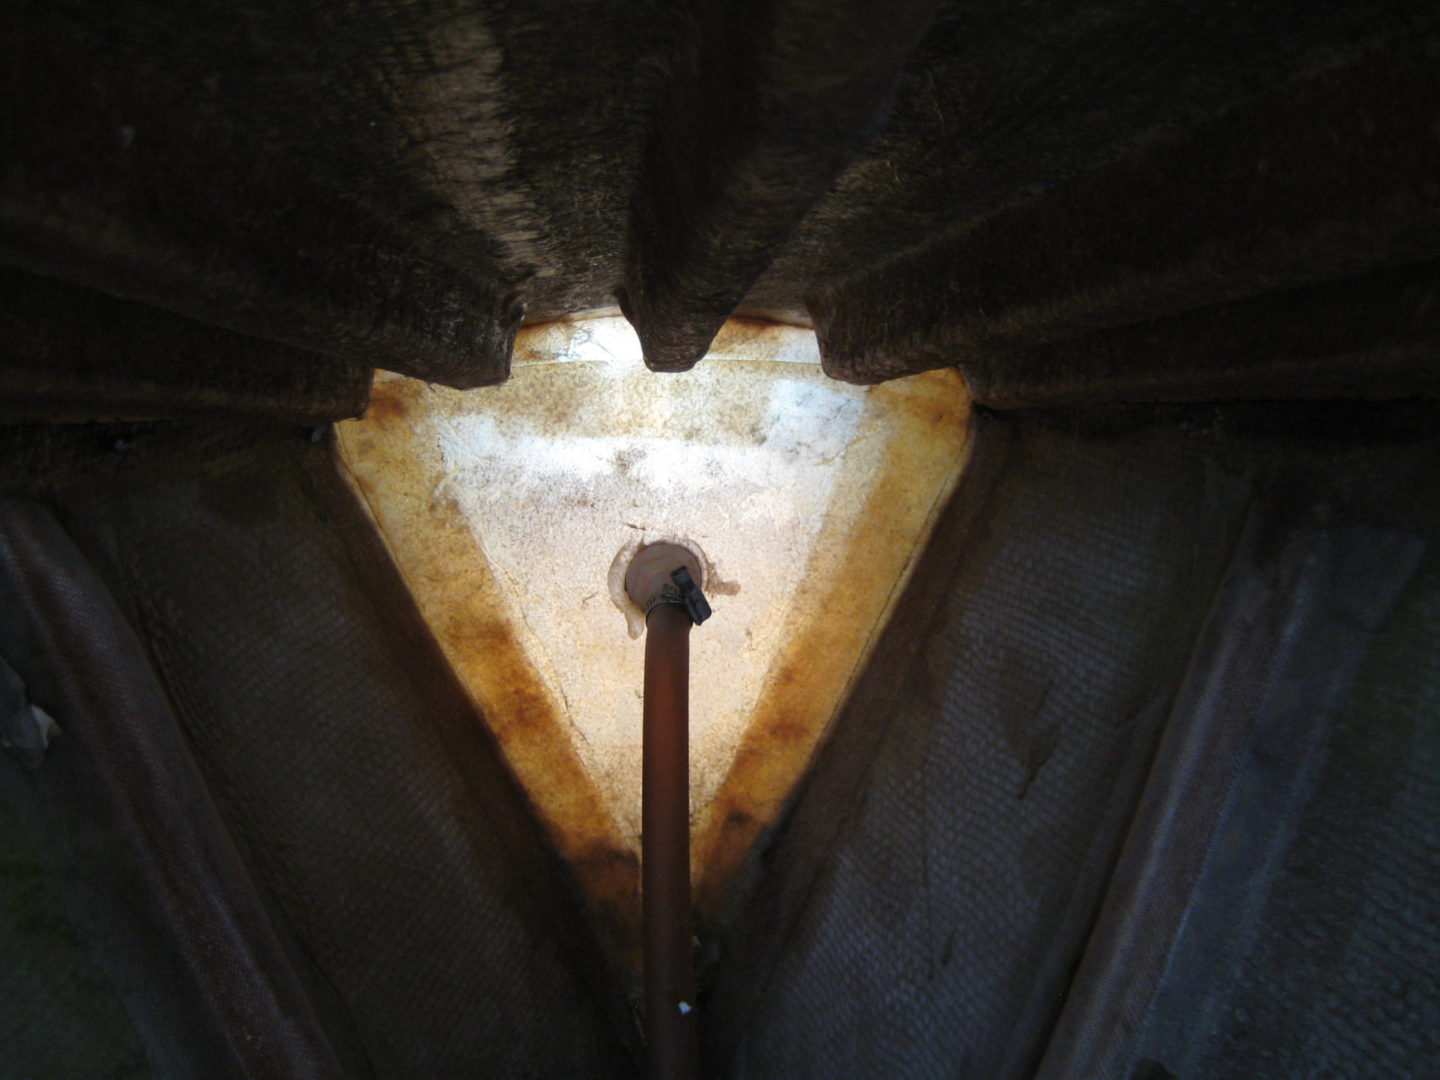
(510, 509)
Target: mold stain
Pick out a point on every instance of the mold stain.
(467, 610)
(893, 468)
(832, 634)
(390, 403)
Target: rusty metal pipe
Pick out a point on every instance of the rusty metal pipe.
(665, 822)
(663, 579)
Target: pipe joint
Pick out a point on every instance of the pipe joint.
(661, 574)
(682, 592)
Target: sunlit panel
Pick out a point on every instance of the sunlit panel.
(513, 510)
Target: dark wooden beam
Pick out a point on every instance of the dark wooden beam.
(69, 353)
(164, 171)
(1370, 336)
(1331, 176)
(769, 100)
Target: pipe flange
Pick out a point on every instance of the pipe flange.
(666, 573)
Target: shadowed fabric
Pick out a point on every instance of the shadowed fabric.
(1274, 913)
(59, 1010)
(925, 906)
(431, 920)
(937, 876)
(123, 837)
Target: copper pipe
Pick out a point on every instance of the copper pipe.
(665, 844)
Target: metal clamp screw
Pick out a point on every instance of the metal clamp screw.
(684, 593)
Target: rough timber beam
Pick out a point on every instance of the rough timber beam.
(768, 102)
(183, 185)
(1332, 176)
(72, 354)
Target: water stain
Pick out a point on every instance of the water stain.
(809, 682)
(469, 614)
(913, 434)
(391, 402)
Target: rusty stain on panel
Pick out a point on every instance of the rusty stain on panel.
(783, 480)
(456, 590)
(811, 679)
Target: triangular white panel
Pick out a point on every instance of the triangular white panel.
(512, 510)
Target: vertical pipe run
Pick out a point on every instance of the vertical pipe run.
(665, 848)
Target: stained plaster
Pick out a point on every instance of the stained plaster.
(513, 511)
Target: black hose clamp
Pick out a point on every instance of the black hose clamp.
(683, 593)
